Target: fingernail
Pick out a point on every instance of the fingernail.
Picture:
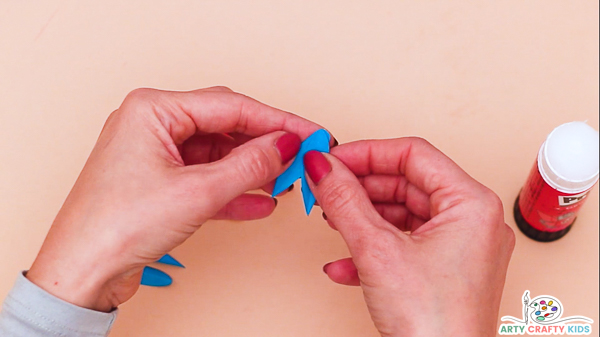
(275, 201)
(335, 142)
(288, 145)
(325, 267)
(324, 215)
(316, 165)
(291, 188)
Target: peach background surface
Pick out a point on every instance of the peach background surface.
(485, 81)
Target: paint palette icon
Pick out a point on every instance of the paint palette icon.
(539, 312)
(545, 309)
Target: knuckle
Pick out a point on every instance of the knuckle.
(511, 238)
(255, 163)
(339, 196)
(111, 118)
(420, 142)
(488, 211)
(138, 101)
(377, 248)
(140, 95)
(492, 202)
(221, 88)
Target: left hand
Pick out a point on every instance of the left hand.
(164, 163)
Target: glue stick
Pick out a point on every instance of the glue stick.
(565, 171)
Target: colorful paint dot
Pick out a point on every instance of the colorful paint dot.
(550, 303)
(537, 313)
(554, 308)
(544, 308)
(546, 315)
(541, 318)
(535, 304)
(542, 302)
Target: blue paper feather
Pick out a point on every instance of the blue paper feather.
(318, 141)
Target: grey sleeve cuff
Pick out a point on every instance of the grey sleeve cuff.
(29, 311)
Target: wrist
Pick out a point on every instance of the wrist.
(440, 327)
(464, 321)
(435, 316)
(83, 288)
(79, 276)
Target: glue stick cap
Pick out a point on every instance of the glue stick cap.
(569, 158)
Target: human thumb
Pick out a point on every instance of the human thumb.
(249, 166)
(342, 197)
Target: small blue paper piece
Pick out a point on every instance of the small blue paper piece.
(168, 259)
(318, 141)
(155, 278)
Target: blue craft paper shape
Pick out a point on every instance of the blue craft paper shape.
(155, 278)
(318, 141)
(168, 259)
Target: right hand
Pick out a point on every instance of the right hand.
(429, 244)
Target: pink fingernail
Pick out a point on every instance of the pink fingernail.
(316, 165)
(288, 146)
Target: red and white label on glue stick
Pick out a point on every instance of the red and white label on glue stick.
(564, 173)
(545, 208)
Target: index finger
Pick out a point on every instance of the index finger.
(221, 111)
(421, 163)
